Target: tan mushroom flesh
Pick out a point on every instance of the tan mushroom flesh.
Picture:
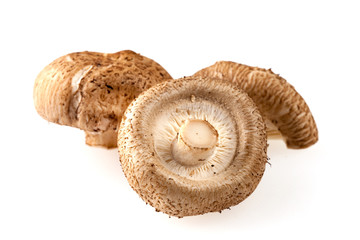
(192, 146)
(284, 110)
(91, 90)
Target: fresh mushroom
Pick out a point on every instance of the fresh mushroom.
(284, 110)
(91, 90)
(192, 146)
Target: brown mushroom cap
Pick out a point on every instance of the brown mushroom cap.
(281, 105)
(91, 90)
(179, 116)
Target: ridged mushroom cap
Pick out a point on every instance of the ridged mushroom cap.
(91, 90)
(283, 108)
(191, 146)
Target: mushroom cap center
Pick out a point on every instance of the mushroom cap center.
(194, 143)
(198, 134)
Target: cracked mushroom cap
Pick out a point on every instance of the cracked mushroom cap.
(91, 90)
(284, 110)
(192, 146)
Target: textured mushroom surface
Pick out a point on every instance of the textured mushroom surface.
(283, 108)
(192, 146)
(91, 90)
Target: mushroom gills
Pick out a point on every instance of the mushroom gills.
(191, 155)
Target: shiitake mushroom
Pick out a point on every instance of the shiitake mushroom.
(284, 110)
(91, 90)
(193, 145)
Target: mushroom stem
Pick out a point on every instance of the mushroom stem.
(271, 130)
(272, 134)
(107, 138)
(194, 143)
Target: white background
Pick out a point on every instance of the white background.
(53, 186)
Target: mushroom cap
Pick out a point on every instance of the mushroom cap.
(225, 179)
(281, 105)
(91, 90)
